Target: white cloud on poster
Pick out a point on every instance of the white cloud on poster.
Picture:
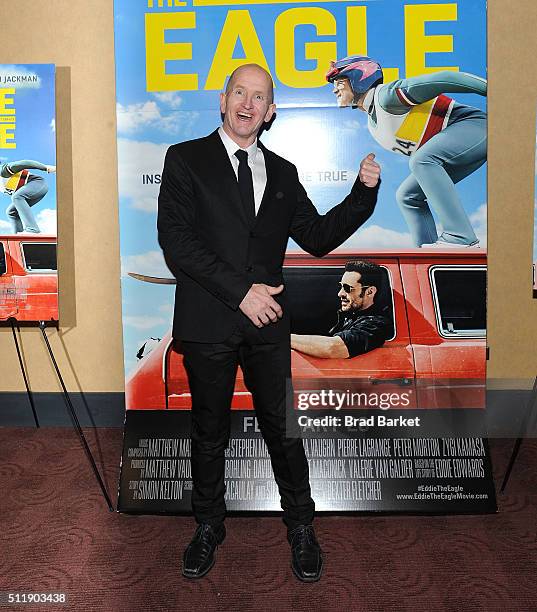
(136, 116)
(166, 308)
(478, 219)
(46, 219)
(375, 236)
(142, 115)
(52, 125)
(349, 125)
(143, 322)
(378, 237)
(146, 204)
(20, 77)
(137, 159)
(150, 263)
(169, 98)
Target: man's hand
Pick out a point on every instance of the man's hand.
(369, 172)
(51, 169)
(259, 305)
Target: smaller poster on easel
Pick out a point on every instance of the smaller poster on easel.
(28, 236)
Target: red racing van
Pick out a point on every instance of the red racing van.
(28, 277)
(435, 356)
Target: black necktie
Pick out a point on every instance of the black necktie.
(246, 184)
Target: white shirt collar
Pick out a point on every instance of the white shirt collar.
(232, 146)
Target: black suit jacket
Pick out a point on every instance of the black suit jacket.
(216, 252)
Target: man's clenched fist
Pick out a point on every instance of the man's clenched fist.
(369, 171)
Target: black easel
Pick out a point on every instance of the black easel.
(23, 370)
(75, 421)
(532, 404)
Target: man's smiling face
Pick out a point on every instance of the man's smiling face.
(247, 104)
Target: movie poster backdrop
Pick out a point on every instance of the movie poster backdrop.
(28, 269)
(397, 428)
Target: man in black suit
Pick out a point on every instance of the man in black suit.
(227, 207)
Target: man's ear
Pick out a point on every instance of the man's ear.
(223, 101)
(270, 111)
(372, 291)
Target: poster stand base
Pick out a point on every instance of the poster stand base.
(368, 470)
(75, 421)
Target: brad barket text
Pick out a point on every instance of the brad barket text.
(379, 420)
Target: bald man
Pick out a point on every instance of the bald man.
(227, 207)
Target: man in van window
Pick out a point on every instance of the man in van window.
(363, 323)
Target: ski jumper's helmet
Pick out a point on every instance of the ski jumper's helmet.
(362, 72)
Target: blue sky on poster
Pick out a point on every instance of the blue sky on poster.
(326, 143)
(35, 137)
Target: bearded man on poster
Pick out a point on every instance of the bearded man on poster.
(227, 207)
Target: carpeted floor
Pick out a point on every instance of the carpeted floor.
(58, 536)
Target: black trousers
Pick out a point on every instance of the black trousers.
(212, 370)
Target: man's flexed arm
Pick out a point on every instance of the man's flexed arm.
(181, 244)
(320, 234)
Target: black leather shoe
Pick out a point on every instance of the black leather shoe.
(199, 554)
(306, 554)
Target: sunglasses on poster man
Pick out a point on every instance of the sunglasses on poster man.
(349, 289)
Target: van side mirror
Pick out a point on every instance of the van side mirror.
(3, 265)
